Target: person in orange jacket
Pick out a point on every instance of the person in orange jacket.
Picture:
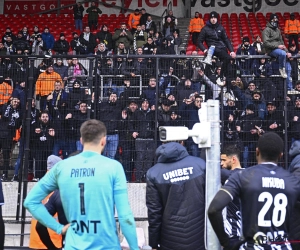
(5, 91)
(134, 20)
(292, 30)
(45, 85)
(196, 25)
(34, 239)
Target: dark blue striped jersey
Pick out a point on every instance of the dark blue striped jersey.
(268, 194)
(232, 212)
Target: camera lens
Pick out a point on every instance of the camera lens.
(163, 134)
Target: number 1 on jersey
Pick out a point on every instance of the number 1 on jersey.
(82, 207)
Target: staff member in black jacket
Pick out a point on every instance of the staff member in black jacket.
(143, 129)
(110, 114)
(214, 34)
(42, 136)
(126, 141)
(175, 198)
(11, 119)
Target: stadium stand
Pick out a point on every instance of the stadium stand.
(236, 25)
(91, 84)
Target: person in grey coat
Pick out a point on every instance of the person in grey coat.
(274, 44)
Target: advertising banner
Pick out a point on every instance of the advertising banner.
(33, 6)
(157, 7)
(245, 6)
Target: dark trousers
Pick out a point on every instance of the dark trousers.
(294, 72)
(43, 102)
(6, 144)
(195, 38)
(193, 148)
(127, 157)
(225, 58)
(294, 37)
(67, 147)
(45, 237)
(93, 24)
(133, 30)
(145, 149)
(249, 155)
(41, 157)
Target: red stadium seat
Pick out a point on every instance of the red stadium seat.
(191, 47)
(286, 15)
(206, 17)
(280, 17)
(225, 16)
(251, 15)
(104, 16)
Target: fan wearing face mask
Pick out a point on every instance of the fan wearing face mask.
(274, 44)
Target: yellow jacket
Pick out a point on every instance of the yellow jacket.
(5, 92)
(196, 24)
(292, 27)
(45, 83)
(134, 20)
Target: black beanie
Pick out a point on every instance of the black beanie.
(213, 14)
(246, 39)
(272, 16)
(251, 107)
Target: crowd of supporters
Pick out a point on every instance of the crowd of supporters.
(132, 102)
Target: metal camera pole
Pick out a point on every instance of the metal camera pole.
(213, 171)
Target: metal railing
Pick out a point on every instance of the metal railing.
(97, 84)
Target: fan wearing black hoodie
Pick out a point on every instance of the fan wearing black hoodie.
(150, 92)
(110, 113)
(20, 43)
(213, 33)
(104, 36)
(126, 141)
(75, 97)
(11, 119)
(8, 33)
(17, 71)
(74, 121)
(61, 46)
(8, 44)
(249, 128)
(143, 129)
(19, 92)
